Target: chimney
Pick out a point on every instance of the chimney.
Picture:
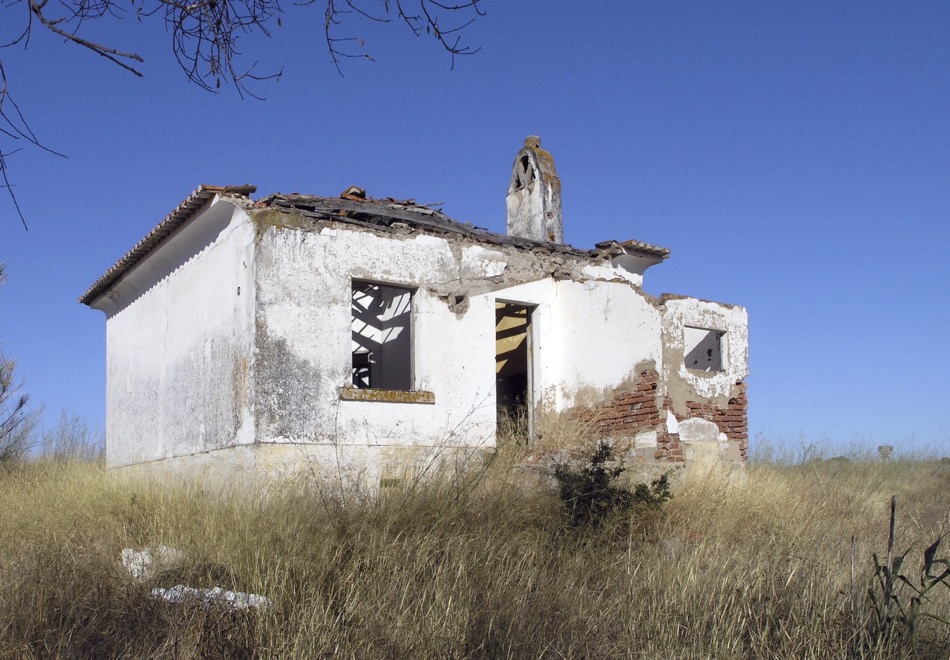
(534, 196)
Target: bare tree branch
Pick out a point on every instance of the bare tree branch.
(205, 36)
(426, 21)
(115, 56)
(14, 126)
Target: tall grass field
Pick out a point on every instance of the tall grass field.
(756, 565)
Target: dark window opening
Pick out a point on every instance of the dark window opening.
(381, 336)
(524, 173)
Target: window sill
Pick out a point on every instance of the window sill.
(706, 373)
(386, 396)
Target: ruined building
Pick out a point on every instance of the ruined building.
(372, 335)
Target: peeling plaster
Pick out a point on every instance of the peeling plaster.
(687, 384)
(672, 425)
(245, 338)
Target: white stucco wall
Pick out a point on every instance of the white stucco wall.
(238, 332)
(179, 344)
(304, 340)
(590, 337)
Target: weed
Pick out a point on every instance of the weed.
(71, 439)
(902, 601)
(592, 493)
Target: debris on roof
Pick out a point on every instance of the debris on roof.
(353, 206)
(614, 248)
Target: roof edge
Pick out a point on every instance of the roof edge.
(634, 246)
(180, 216)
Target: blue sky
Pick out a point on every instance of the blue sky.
(794, 156)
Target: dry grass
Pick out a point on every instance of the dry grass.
(475, 568)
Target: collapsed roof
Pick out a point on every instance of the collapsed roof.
(353, 207)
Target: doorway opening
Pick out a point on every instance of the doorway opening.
(513, 372)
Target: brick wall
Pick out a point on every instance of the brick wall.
(630, 412)
(627, 413)
(668, 444)
(733, 420)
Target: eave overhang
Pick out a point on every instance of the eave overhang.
(173, 222)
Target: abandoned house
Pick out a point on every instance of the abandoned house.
(370, 335)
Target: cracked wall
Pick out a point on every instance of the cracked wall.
(249, 340)
(593, 330)
(591, 327)
(678, 409)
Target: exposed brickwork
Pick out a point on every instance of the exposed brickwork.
(668, 444)
(626, 413)
(733, 420)
(630, 412)
(668, 447)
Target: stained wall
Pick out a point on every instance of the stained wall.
(240, 333)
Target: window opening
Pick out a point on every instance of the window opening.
(381, 336)
(524, 173)
(703, 348)
(513, 370)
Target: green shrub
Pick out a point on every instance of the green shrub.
(592, 493)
